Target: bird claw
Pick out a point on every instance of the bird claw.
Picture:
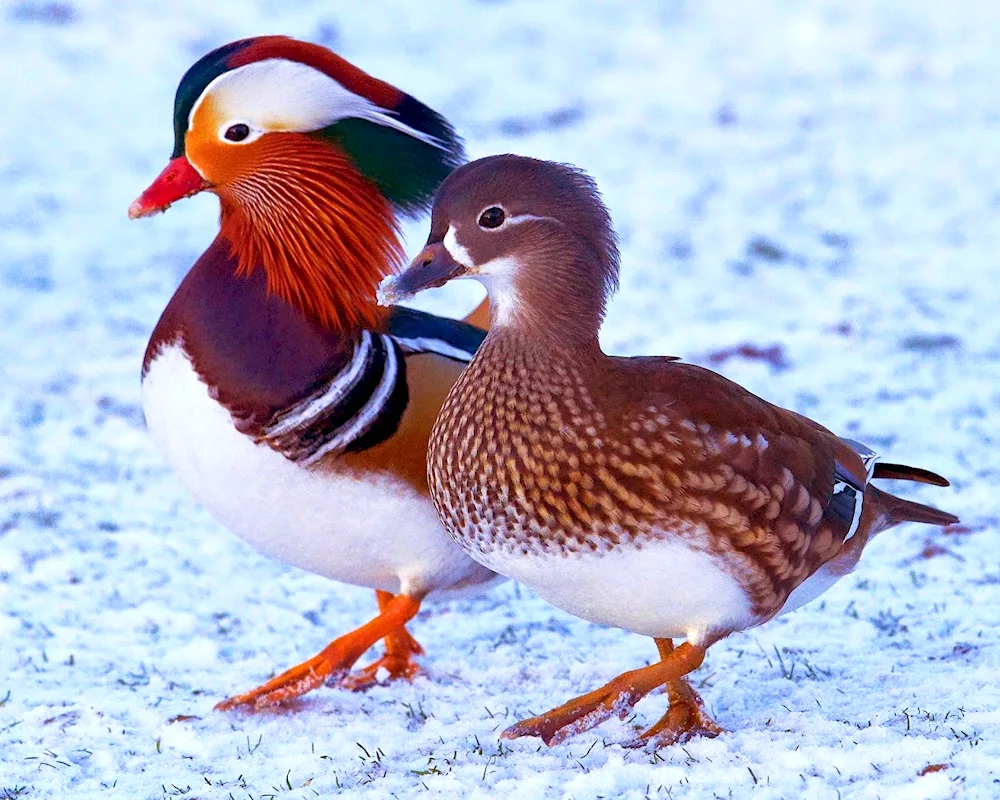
(577, 716)
(396, 664)
(686, 719)
(388, 668)
(333, 663)
(666, 737)
(293, 683)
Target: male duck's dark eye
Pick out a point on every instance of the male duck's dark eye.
(237, 132)
(492, 217)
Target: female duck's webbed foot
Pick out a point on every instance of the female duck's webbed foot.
(616, 698)
(686, 717)
(332, 662)
(397, 663)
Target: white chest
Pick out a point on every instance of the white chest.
(371, 531)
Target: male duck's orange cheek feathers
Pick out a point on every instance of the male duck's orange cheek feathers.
(300, 206)
(177, 181)
(211, 156)
(221, 163)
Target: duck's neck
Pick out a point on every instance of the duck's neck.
(323, 235)
(558, 309)
(538, 350)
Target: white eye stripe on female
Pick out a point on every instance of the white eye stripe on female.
(517, 219)
(494, 217)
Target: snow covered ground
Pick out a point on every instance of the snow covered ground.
(808, 200)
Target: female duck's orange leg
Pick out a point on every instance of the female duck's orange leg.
(334, 660)
(686, 717)
(614, 699)
(400, 648)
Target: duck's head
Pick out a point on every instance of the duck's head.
(311, 159)
(535, 233)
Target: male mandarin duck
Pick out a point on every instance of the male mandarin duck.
(293, 406)
(642, 493)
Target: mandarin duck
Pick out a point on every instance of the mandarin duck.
(294, 408)
(642, 493)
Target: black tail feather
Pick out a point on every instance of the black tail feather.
(901, 472)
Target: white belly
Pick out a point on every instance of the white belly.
(374, 531)
(665, 590)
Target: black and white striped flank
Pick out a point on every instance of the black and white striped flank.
(363, 403)
(848, 492)
(357, 408)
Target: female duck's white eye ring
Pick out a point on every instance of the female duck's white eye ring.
(492, 217)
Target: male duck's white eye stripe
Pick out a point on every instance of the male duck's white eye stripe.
(280, 95)
(456, 250)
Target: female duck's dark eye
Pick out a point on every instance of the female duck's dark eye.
(237, 132)
(492, 217)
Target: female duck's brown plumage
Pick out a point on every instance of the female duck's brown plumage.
(293, 407)
(644, 493)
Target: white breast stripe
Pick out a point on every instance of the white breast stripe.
(337, 389)
(355, 427)
(422, 344)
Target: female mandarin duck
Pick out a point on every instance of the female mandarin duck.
(643, 493)
(293, 406)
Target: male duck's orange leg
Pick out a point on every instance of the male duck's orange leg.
(400, 648)
(686, 717)
(334, 660)
(613, 699)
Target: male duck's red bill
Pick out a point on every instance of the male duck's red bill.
(177, 181)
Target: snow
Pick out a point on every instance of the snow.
(815, 183)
